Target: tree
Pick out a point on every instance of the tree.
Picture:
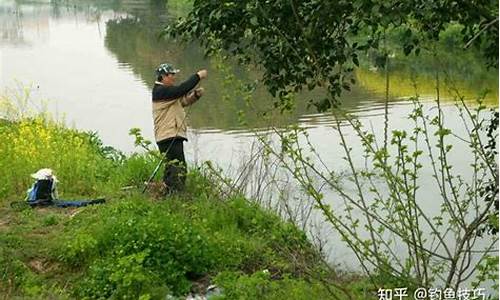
(315, 43)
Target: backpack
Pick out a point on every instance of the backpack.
(43, 191)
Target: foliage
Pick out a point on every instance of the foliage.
(309, 44)
(133, 171)
(383, 206)
(263, 31)
(146, 245)
(32, 144)
(489, 190)
(82, 163)
(134, 41)
(446, 55)
(23, 259)
(140, 141)
(139, 244)
(260, 285)
(132, 247)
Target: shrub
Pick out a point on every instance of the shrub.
(260, 286)
(31, 144)
(158, 245)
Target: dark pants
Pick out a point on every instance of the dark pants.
(175, 164)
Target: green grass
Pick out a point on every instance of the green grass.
(136, 246)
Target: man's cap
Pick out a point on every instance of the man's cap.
(166, 69)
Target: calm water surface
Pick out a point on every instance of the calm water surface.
(93, 64)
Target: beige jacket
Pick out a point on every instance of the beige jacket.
(170, 117)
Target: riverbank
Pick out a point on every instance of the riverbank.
(140, 246)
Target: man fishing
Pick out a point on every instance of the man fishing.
(169, 116)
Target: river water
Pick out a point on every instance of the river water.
(92, 64)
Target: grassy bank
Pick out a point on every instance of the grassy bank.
(136, 246)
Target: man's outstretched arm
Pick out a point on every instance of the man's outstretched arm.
(167, 93)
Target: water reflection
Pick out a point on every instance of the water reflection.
(14, 23)
(136, 45)
(135, 41)
(75, 33)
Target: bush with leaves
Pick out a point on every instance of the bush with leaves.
(128, 248)
(32, 144)
(260, 285)
(386, 206)
(314, 43)
(153, 245)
